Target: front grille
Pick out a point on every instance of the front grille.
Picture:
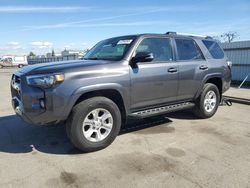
(15, 86)
(17, 79)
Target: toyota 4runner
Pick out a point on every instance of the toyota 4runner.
(129, 76)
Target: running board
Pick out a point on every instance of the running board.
(163, 109)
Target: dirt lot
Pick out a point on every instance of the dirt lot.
(174, 151)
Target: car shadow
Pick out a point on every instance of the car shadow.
(16, 136)
(185, 115)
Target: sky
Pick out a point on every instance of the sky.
(41, 26)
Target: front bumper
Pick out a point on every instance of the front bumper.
(35, 105)
(18, 108)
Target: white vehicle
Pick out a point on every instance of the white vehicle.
(13, 61)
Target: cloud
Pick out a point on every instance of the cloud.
(13, 43)
(69, 24)
(75, 46)
(42, 9)
(13, 46)
(139, 23)
(131, 12)
(69, 46)
(41, 44)
(107, 24)
(179, 8)
(63, 9)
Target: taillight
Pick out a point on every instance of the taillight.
(229, 64)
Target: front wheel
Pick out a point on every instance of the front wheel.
(20, 65)
(94, 124)
(208, 101)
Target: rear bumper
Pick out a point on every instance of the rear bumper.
(226, 85)
(226, 81)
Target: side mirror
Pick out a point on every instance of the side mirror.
(142, 57)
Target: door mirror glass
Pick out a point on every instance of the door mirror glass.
(143, 57)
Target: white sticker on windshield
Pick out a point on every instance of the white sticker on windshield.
(124, 41)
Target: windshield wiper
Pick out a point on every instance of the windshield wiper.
(100, 58)
(91, 58)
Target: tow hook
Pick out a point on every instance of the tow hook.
(226, 101)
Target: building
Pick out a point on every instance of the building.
(239, 53)
(77, 53)
(49, 55)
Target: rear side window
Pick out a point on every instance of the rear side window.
(214, 49)
(187, 49)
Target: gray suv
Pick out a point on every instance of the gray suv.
(134, 76)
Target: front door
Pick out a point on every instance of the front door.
(154, 83)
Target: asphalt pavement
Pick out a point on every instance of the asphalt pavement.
(177, 150)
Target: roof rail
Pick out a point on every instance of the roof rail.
(209, 37)
(188, 34)
(171, 33)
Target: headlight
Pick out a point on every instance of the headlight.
(45, 80)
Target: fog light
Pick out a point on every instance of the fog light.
(42, 103)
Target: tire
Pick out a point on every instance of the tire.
(208, 101)
(20, 66)
(1, 66)
(83, 120)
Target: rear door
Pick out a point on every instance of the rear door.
(156, 82)
(192, 67)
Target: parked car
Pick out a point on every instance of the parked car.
(13, 61)
(134, 76)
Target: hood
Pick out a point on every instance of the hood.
(59, 66)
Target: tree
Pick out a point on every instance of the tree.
(229, 36)
(31, 54)
(53, 53)
(217, 38)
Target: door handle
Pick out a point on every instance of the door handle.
(172, 70)
(203, 67)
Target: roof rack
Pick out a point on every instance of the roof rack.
(187, 34)
(171, 33)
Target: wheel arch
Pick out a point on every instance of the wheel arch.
(215, 79)
(112, 93)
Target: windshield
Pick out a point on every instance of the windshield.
(113, 49)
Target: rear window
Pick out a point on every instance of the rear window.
(214, 49)
(187, 49)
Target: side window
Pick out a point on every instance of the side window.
(187, 49)
(9, 60)
(160, 47)
(214, 49)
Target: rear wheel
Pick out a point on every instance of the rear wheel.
(94, 124)
(20, 65)
(208, 102)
